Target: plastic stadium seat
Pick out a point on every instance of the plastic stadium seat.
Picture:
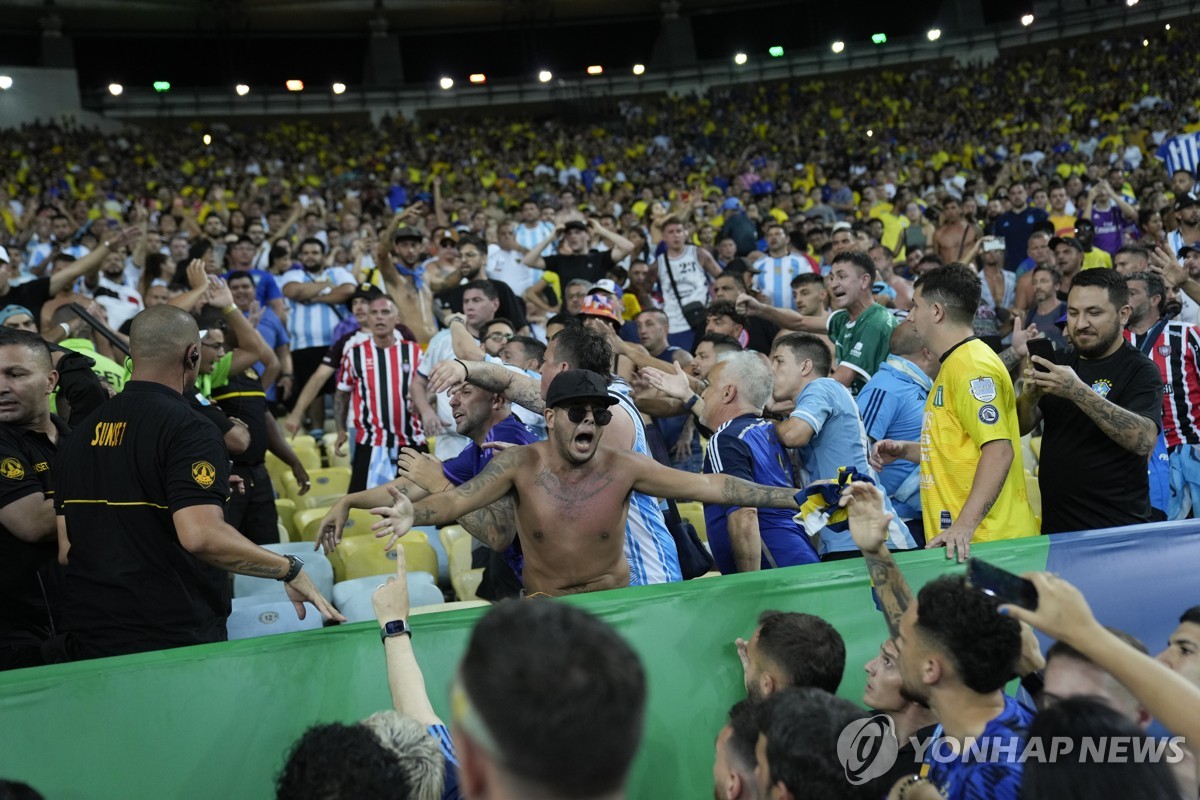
(318, 567)
(1034, 491)
(457, 543)
(328, 485)
(360, 556)
(306, 521)
(466, 584)
(286, 509)
(452, 606)
(435, 541)
(694, 513)
(327, 442)
(284, 536)
(344, 590)
(1035, 444)
(358, 523)
(356, 605)
(249, 620)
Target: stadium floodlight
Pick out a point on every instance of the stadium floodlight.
(477, 77)
(934, 34)
(639, 69)
(162, 86)
(595, 69)
(1145, 42)
(776, 52)
(878, 38)
(242, 89)
(545, 76)
(339, 88)
(294, 85)
(740, 59)
(870, 133)
(207, 139)
(5, 82)
(446, 83)
(1027, 20)
(838, 46)
(1131, 3)
(115, 89)
(1168, 27)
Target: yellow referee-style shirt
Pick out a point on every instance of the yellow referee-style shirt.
(972, 402)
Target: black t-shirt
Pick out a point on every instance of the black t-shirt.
(243, 397)
(511, 307)
(761, 334)
(30, 578)
(130, 584)
(591, 267)
(31, 294)
(1087, 480)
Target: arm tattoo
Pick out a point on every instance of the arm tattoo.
(889, 584)
(521, 390)
(1129, 429)
(1010, 358)
(254, 568)
(738, 492)
(494, 525)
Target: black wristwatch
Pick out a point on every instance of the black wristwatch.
(396, 627)
(695, 398)
(293, 570)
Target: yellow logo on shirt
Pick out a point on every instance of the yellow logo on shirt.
(203, 474)
(11, 468)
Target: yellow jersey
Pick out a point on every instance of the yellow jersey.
(971, 403)
(1097, 259)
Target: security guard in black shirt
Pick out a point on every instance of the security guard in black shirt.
(141, 489)
(30, 579)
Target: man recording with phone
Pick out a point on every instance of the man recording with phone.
(1101, 405)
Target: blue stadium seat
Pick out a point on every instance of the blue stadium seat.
(318, 567)
(251, 618)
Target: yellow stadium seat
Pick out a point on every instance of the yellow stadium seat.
(1035, 495)
(286, 509)
(694, 513)
(328, 442)
(457, 544)
(456, 605)
(1035, 444)
(328, 486)
(358, 523)
(307, 522)
(359, 556)
(466, 584)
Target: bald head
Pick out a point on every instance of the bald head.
(905, 341)
(162, 335)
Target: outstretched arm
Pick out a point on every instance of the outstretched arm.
(516, 387)
(869, 527)
(652, 478)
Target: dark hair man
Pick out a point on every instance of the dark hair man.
(1182, 653)
(341, 761)
(733, 764)
(142, 526)
(793, 650)
(1102, 407)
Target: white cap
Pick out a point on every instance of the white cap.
(3, 256)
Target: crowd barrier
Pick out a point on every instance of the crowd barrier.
(216, 720)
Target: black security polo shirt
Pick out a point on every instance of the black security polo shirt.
(30, 578)
(130, 585)
(243, 397)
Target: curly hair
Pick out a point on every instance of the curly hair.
(962, 622)
(341, 762)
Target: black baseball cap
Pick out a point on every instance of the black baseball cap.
(1070, 241)
(365, 291)
(1187, 201)
(1084, 222)
(406, 232)
(1187, 248)
(578, 384)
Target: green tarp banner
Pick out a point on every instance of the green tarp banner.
(215, 721)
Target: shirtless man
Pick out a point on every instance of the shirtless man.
(954, 237)
(571, 495)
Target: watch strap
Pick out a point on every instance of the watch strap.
(397, 627)
(295, 565)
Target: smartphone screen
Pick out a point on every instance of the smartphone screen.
(1001, 584)
(1042, 348)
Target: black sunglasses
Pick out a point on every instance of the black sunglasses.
(576, 414)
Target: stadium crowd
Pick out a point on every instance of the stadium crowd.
(831, 311)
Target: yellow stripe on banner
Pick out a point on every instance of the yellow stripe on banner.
(114, 503)
(219, 397)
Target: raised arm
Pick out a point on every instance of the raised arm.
(1129, 429)
(869, 528)
(783, 317)
(407, 684)
(466, 346)
(652, 478)
(619, 246)
(517, 387)
(534, 257)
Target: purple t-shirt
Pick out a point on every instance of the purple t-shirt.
(1110, 229)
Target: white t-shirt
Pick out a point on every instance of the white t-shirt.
(506, 266)
(691, 282)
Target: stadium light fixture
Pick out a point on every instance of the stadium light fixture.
(934, 34)
(207, 139)
(838, 46)
(776, 52)
(477, 77)
(878, 38)
(740, 59)
(242, 89)
(1145, 42)
(115, 89)
(162, 86)
(545, 76)
(1131, 3)
(294, 85)
(870, 133)
(339, 88)
(639, 69)
(595, 69)
(1027, 20)
(5, 82)
(1168, 27)
(446, 83)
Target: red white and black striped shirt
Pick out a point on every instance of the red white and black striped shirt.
(1176, 353)
(379, 381)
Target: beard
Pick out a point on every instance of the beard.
(914, 695)
(1173, 309)
(1100, 346)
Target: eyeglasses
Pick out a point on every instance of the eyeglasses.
(601, 415)
(499, 337)
(213, 345)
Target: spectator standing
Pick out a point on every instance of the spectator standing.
(271, 329)
(955, 238)
(1187, 214)
(1049, 309)
(684, 271)
(779, 267)
(1017, 224)
(1101, 405)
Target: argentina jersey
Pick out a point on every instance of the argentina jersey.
(529, 238)
(649, 547)
(776, 278)
(311, 324)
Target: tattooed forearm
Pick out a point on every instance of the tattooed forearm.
(243, 567)
(494, 525)
(1010, 359)
(738, 492)
(1129, 429)
(520, 389)
(890, 586)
